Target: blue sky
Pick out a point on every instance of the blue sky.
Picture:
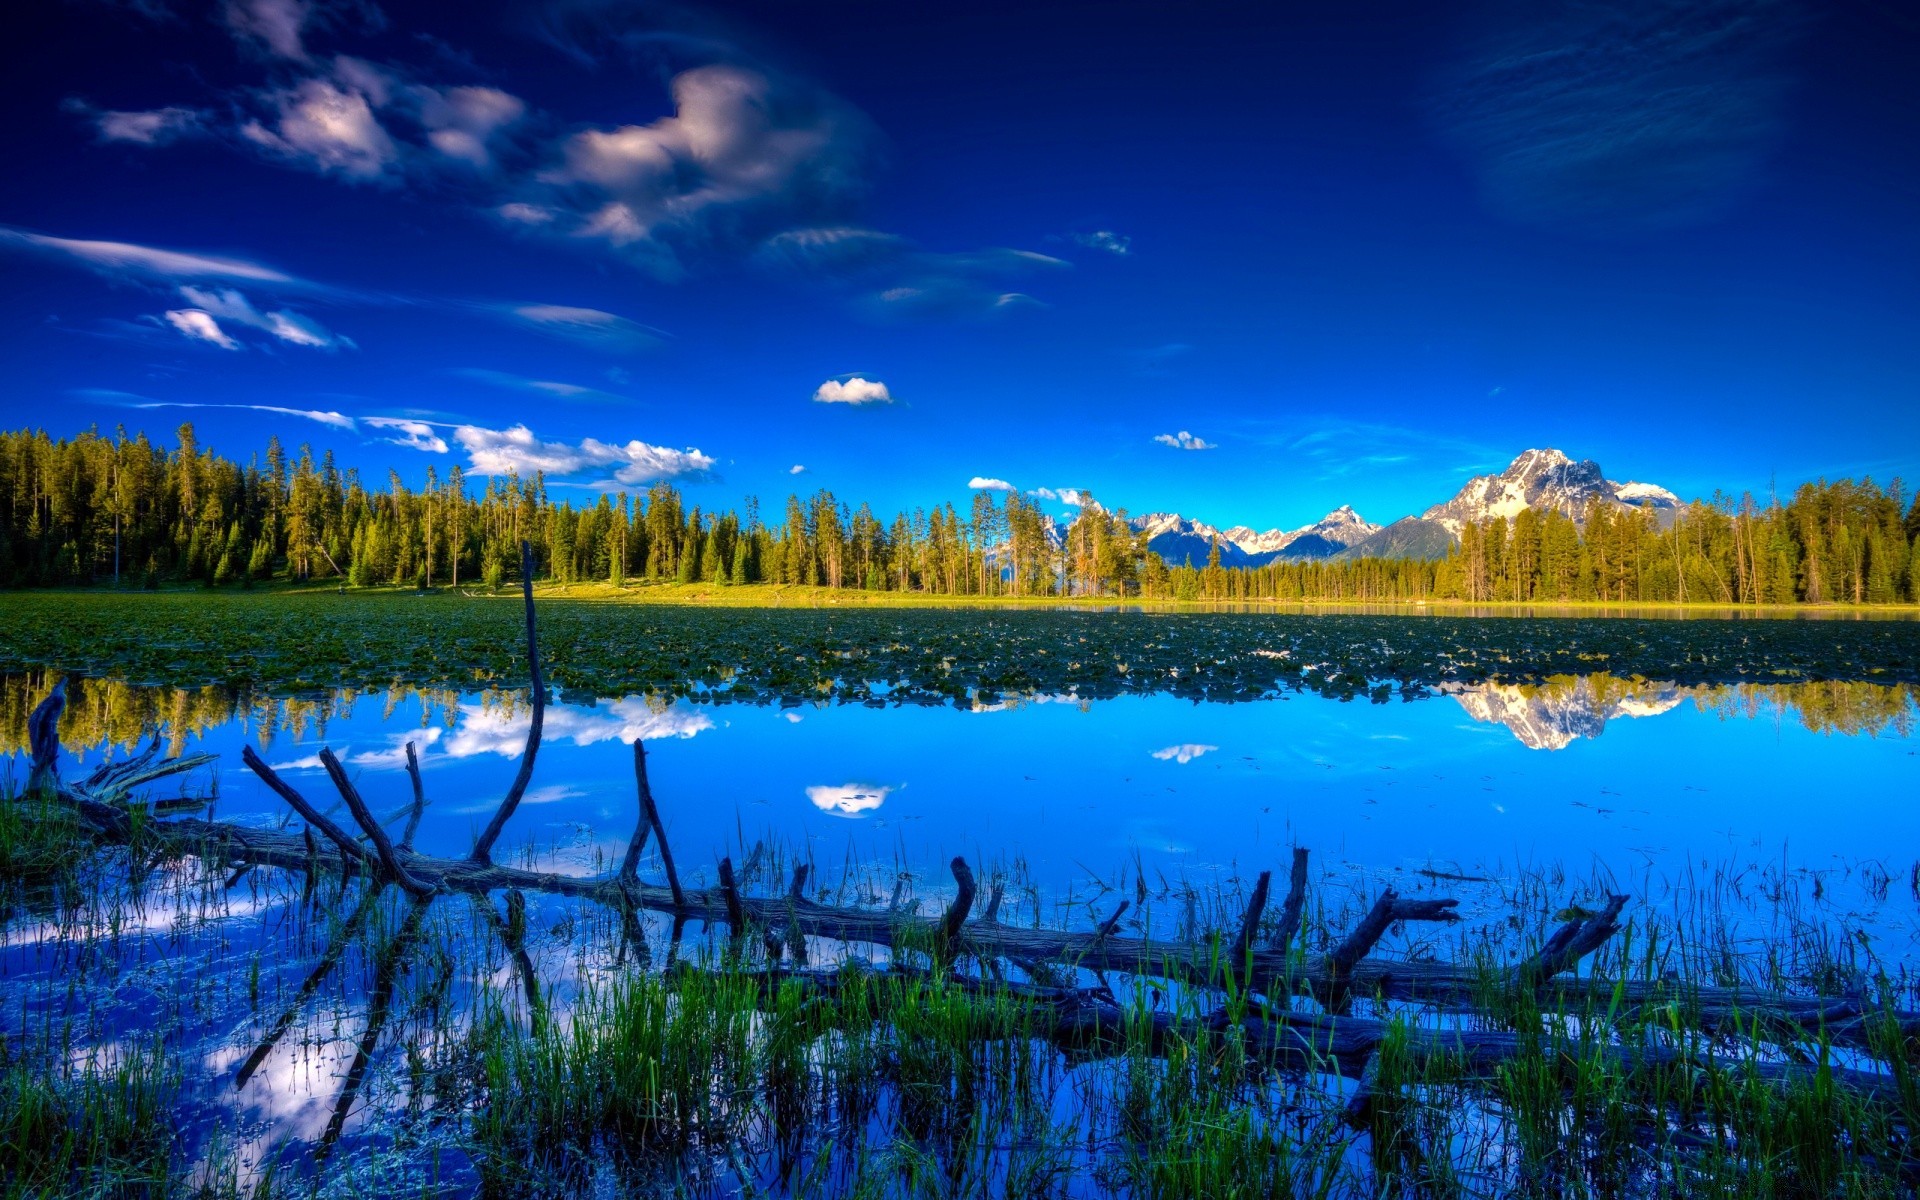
(1244, 262)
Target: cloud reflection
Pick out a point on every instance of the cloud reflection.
(849, 799)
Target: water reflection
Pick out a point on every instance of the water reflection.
(111, 715)
(1551, 716)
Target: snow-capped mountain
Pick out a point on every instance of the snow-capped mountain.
(1545, 481)
(1178, 539)
(1551, 717)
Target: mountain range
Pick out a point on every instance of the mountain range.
(1543, 480)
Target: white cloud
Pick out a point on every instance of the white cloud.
(984, 484)
(275, 24)
(462, 121)
(849, 799)
(852, 391)
(327, 128)
(288, 326)
(200, 327)
(129, 258)
(154, 128)
(741, 149)
(517, 451)
(414, 435)
(586, 326)
(522, 213)
(1113, 243)
(1183, 753)
(796, 469)
(1184, 441)
(1072, 497)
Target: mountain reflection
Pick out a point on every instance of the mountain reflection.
(1555, 714)
(1551, 715)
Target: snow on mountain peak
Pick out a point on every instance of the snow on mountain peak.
(1543, 480)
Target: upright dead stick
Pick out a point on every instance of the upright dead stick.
(419, 799)
(483, 848)
(651, 812)
(43, 740)
(1249, 924)
(389, 861)
(962, 902)
(736, 918)
(637, 844)
(1296, 902)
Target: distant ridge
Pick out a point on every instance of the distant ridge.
(1544, 480)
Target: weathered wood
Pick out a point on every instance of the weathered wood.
(992, 912)
(43, 741)
(1250, 923)
(349, 848)
(637, 844)
(390, 863)
(1572, 942)
(483, 847)
(1290, 912)
(736, 917)
(956, 914)
(651, 812)
(419, 799)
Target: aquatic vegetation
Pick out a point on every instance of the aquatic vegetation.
(227, 1006)
(301, 643)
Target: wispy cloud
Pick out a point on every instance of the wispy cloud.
(405, 431)
(1184, 441)
(130, 400)
(590, 327)
(796, 469)
(1334, 448)
(891, 278)
(1106, 240)
(753, 164)
(273, 25)
(1621, 116)
(197, 326)
(543, 387)
(852, 390)
(131, 259)
(154, 127)
(229, 305)
(983, 483)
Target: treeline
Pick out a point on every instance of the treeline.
(121, 510)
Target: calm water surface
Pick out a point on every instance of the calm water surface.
(1631, 776)
(1789, 806)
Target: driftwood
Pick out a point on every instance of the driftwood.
(1277, 971)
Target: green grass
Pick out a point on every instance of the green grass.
(87, 1128)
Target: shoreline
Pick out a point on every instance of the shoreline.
(784, 596)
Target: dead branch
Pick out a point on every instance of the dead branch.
(483, 848)
(1291, 911)
(382, 848)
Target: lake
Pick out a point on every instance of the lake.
(1765, 831)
